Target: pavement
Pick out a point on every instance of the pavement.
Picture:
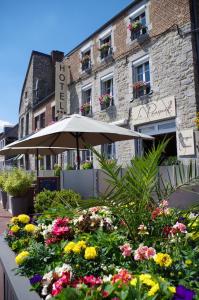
(4, 218)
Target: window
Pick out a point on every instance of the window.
(53, 114)
(22, 128)
(87, 155)
(137, 26)
(105, 47)
(42, 120)
(26, 95)
(109, 151)
(86, 60)
(141, 80)
(106, 98)
(27, 124)
(36, 122)
(86, 102)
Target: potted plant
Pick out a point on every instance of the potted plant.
(18, 186)
(85, 61)
(3, 194)
(57, 170)
(105, 100)
(85, 108)
(136, 26)
(104, 47)
(87, 165)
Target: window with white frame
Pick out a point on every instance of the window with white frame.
(87, 155)
(86, 101)
(108, 150)
(86, 60)
(138, 24)
(141, 79)
(106, 98)
(105, 47)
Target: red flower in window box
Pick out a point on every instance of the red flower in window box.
(105, 99)
(85, 108)
(139, 84)
(136, 26)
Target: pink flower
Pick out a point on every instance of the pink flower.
(126, 250)
(144, 252)
(164, 203)
(178, 227)
(52, 240)
(61, 283)
(61, 221)
(123, 275)
(105, 294)
(158, 211)
(92, 280)
(60, 230)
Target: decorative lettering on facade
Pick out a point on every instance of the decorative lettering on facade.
(60, 90)
(185, 142)
(153, 111)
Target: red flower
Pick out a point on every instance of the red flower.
(92, 280)
(123, 275)
(105, 294)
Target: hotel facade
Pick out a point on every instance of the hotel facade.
(139, 71)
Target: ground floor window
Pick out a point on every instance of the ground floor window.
(109, 151)
(161, 131)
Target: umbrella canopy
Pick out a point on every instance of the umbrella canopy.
(31, 150)
(77, 132)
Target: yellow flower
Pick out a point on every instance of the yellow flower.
(21, 257)
(76, 249)
(15, 228)
(146, 279)
(14, 220)
(30, 228)
(69, 247)
(188, 262)
(82, 244)
(163, 259)
(133, 281)
(24, 218)
(153, 290)
(90, 253)
(172, 289)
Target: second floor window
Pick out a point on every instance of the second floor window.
(106, 98)
(105, 47)
(138, 26)
(22, 128)
(86, 60)
(108, 150)
(53, 114)
(27, 124)
(86, 102)
(40, 121)
(141, 80)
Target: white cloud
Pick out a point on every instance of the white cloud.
(3, 123)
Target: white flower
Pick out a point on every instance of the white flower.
(64, 268)
(48, 297)
(44, 291)
(107, 278)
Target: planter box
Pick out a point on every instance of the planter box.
(12, 287)
(4, 199)
(21, 205)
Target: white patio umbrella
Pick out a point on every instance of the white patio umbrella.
(78, 132)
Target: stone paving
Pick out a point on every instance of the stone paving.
(4, 218)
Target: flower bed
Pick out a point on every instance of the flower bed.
(89, 254)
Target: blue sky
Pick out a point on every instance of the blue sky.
(42, 25)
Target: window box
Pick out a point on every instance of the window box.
(105, 101)
(85, 109)
(141, 88)
(136, 26)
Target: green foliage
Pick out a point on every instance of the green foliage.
(87, 165)
(54, 199)
(18, 182)
(57, 170)
(3, 178)
(169, 161)
(69, 167)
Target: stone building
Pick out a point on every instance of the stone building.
(139, 70)
(9, 135)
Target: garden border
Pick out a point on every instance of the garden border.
(15, 287)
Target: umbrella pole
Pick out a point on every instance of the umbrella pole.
(78, 157)
(37, 162)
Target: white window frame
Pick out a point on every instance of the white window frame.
(112, 154)
(141, 62)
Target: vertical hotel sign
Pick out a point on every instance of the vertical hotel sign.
(60, 90)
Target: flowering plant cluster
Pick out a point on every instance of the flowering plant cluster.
(91, 255)
(136, 26)
(85, 108)
(197, 120)
(104, 47)
(105, 99)
(139, 84)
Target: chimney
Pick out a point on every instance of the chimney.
(57, 56)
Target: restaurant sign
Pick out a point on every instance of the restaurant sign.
(153, 111)
(185, 142)
(60, 90)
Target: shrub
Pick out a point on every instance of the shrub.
(69, 167)
(18, 182)
(53, 199)
(57, 169)
(3, 178)
(44, 200)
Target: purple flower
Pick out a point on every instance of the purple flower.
(183, 293)
(35, 279)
